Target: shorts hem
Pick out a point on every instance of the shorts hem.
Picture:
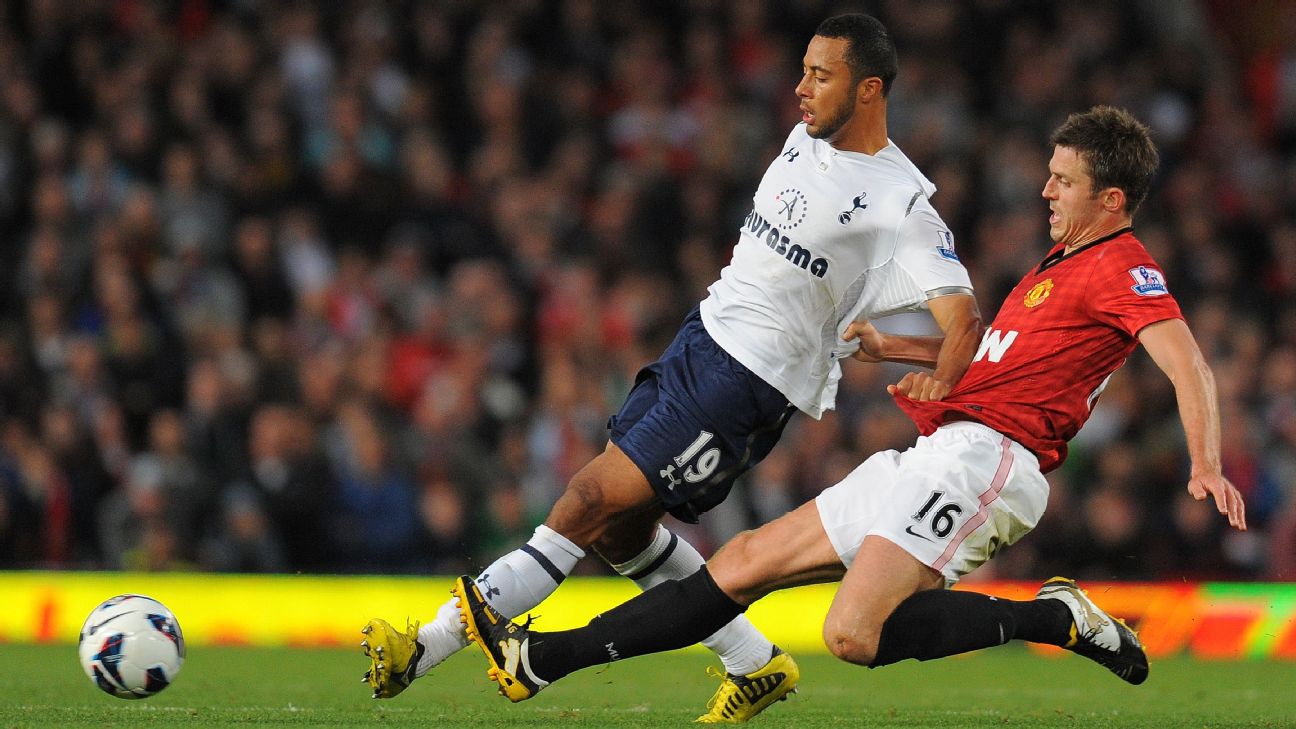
(680, 509)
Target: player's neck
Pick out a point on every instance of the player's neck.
(867, 132)
(872, 144)
(1106, 230)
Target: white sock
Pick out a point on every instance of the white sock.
(741, 647)
(512, 584)
(441, 638)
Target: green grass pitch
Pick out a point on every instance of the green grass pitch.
(43, 686)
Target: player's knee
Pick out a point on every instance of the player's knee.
(626, 538)
(737, 568)
(583, 512)
(852, 643)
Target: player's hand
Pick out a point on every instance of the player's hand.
(1228, 500)
(871, 341)
(920, 386)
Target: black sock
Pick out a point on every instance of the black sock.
(938, 623)
(674, 614)
(1042, 621)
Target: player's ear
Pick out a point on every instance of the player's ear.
(868, 90)
(1113, 199)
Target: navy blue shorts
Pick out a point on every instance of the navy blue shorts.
(696, 420)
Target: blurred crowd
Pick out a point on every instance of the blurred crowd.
(354, 286)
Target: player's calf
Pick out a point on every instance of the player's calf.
(932, 624)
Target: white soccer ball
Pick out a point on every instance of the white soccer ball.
(131, 646)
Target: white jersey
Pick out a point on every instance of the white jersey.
(833, 236)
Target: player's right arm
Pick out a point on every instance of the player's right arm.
(948, 356)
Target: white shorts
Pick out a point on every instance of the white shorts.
(951, 501)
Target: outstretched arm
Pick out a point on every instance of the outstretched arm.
(960, 320)
(1174, 350)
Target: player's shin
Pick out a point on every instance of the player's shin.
(938, 623)
(672, 615)
(741, 647)
(512, 584)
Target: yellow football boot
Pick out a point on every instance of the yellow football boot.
(393, 656)
(739, 698)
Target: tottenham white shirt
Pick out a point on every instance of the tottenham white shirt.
(832, 237)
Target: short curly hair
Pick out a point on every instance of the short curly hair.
(869, 52)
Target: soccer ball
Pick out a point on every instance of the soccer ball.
(131, 646)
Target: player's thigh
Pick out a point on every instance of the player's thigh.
(608, 488)
(849, 509)
(789, 551)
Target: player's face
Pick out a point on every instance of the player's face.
(1075, 213)
(826, 92)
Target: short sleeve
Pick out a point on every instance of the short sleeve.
(925, 249)
(1130, 292)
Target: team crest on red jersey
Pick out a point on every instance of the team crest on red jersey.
(1038, 293)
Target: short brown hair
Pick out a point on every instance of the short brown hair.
(1117, 148)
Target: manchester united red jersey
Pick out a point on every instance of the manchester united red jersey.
(1056, 340)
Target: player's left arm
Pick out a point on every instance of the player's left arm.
(1175, 351)
(925, 250)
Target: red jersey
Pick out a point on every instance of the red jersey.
(1054, 344)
